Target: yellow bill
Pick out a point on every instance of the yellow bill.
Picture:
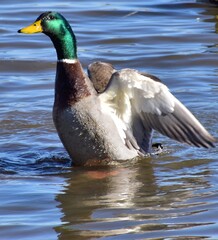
(36, 27)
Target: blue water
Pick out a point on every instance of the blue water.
(171, 196)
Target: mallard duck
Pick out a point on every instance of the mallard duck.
(116, 120)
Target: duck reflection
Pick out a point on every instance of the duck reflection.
(99, 195)
(117, 200)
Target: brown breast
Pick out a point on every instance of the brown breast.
(71, 84)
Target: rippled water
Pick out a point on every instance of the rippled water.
(171, 196)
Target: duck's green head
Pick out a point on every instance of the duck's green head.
(55, 26)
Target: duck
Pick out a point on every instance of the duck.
(110, 115)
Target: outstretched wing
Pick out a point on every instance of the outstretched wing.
(132, 95)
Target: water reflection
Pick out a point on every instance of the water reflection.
(146, 199)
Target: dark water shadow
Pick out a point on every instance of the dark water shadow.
(34, 166)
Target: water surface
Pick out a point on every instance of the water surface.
(171, 196)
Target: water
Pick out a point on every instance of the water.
(171, 196)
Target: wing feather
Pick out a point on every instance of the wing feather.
(100, 74)
(133, 94)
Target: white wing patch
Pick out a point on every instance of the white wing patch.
(131, 95)
(128, 87)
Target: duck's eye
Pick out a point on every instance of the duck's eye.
(51, 17)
